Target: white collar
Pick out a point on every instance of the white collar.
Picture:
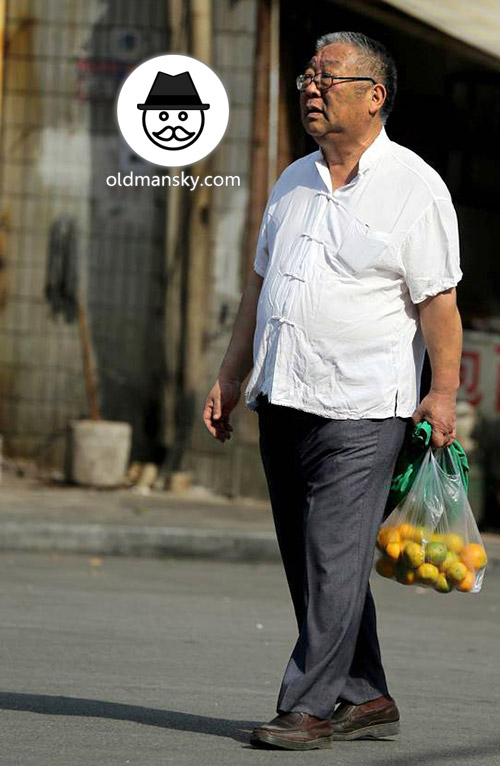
(377, 148)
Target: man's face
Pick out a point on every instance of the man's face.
(343, 108)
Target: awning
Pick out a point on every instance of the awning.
(476, 22)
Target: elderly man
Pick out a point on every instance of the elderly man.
(355, 275)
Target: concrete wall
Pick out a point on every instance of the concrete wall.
(65, 61)
(45, 146)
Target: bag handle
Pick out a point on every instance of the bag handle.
(421, 435)
(455, 452)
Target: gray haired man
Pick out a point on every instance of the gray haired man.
(354, 276)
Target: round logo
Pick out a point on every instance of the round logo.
(172, 110)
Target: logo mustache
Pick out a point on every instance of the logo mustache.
(179, 133)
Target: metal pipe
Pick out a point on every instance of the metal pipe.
(274, 93)
(2, 53)
(259, 171)
(188, 252)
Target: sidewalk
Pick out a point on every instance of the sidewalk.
(38, 516)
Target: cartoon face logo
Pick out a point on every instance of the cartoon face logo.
(173, 128)
(172, 110)
(173, 114)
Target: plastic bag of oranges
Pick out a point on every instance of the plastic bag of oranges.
(431, 538)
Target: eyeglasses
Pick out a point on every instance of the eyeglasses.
(323, 80)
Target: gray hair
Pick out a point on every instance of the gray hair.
(376, 58)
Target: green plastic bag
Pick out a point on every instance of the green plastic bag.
(410, 459)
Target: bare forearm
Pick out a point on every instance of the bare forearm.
(238, 360)
(442, 331)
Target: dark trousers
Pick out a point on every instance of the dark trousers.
(328, 484)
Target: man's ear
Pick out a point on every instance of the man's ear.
(379, 94)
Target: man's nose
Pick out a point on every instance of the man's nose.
(312, 89)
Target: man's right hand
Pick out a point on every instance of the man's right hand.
(219, 404)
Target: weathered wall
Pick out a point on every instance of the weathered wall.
(45, 146)
(65, 61)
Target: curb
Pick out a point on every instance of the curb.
(153, 541)
(115, 540)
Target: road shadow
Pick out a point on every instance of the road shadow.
(47, 704)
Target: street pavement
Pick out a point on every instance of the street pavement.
(152, 661)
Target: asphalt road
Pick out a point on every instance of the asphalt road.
(149, 662)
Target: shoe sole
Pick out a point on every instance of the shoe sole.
(375, 731)
(267, 739)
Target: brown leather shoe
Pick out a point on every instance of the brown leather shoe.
(372, 720)
(294, 731)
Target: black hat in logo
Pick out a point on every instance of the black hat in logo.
(176, 91)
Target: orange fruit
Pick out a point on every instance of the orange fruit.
(435, 553)
(467, 583)
(406, 531)
(437, 537)
(385, 567)
(420, 534)
(451, 558)
(410, 532)
(404, 575)
(393, 550)
(454, 542)
(474, 556)
(456, 572)
(427, 574)
(413, 555)
(387, 535)
(442, 585)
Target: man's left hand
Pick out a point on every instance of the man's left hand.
(439, 410)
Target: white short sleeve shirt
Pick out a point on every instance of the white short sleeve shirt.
(337, 331)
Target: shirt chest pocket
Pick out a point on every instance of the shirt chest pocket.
(361, 246)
